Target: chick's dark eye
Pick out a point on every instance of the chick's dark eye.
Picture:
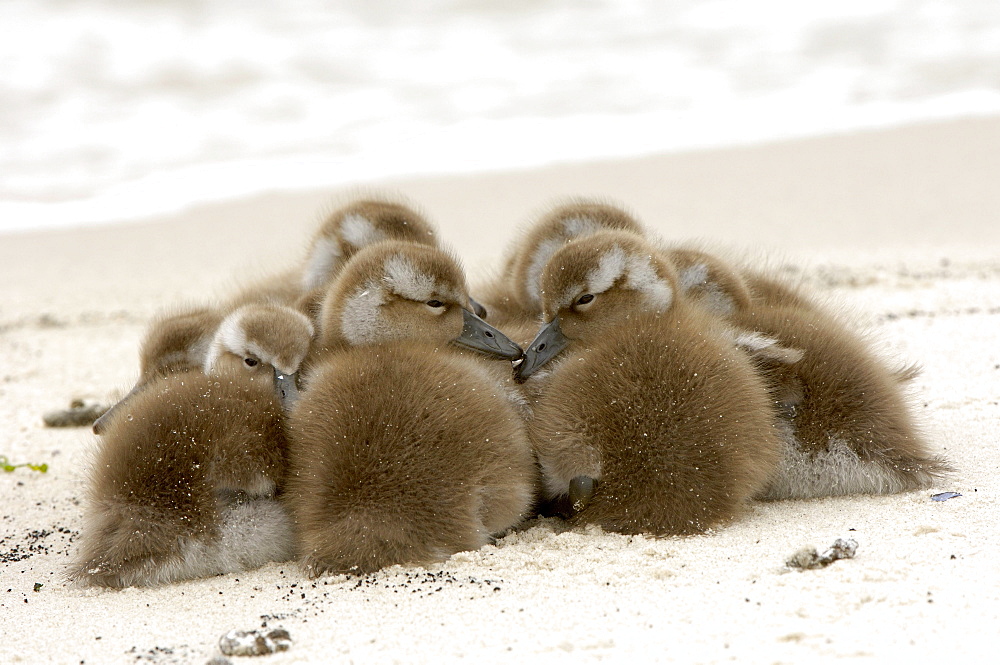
(251, 362)
(435, 303)
(584, 299)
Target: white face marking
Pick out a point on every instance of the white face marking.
(359, 232)
(404, 279)
(229, 336)
(642, 277)
(716, 300)
(533, 280)
(713, 297)
(574, 227)
(692, 276)
(323, 258)
(610, 267)
(360, 322)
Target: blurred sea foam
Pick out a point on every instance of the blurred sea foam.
(113, 110)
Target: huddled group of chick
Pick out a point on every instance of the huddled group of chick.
(359, 411)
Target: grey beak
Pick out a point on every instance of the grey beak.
(286, 389)
(481, 336)
(549, 342)
(102, 423)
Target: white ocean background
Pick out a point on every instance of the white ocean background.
(117, 110)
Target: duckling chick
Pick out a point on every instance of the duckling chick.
(652, 420)
(404, 454)
(513, 298)
(850, 428)
(403, 450)
(265, 339)
(260, 336)
(184, 483)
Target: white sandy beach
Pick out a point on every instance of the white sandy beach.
(900, 229)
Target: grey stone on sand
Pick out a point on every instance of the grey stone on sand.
(809, 559)
(254, 643)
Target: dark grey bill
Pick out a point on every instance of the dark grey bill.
(101, 423)
(286, 389)
(546, 346)
(481, 336)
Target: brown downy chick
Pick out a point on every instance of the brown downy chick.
(850, 429)
(404, 454)
(184, 483)
(403, 450)
(261, 337)
(266, 340)
(652, 419)
(374, 304)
